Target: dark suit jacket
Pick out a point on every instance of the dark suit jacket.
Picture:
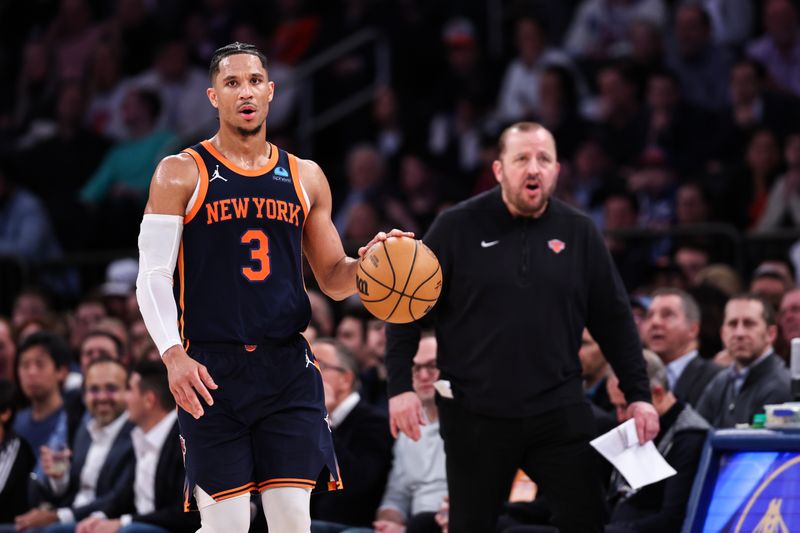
(116, 475)
(170, 475)
(694, 379)
(14, 494)
(768, 382)
(363, 448)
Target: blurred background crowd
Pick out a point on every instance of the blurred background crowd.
(677, 124)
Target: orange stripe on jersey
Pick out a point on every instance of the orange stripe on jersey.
(298, 188)
(273, 160)
(230, 493)
(201, 194)
(182, 282)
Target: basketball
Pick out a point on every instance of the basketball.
(399, 280)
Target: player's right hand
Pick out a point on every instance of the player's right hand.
(187, 379)
(405, 414)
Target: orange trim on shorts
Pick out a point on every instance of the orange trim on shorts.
(201, 194)
(287, 482)
(273, 160)
(232, 493)
(288, 479)
(279, 485)
(298, 187)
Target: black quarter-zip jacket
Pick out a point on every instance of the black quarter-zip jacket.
(516, 295)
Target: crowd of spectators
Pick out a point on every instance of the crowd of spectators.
(668, 114)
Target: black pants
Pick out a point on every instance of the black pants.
(484, 453)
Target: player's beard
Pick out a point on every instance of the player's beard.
(245, 132)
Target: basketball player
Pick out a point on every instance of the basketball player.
(231, 212)
(523, 274)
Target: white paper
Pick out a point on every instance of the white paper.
(443, 388)
(640, 465)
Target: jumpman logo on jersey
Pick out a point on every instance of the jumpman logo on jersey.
(308, 361)
(216, 175)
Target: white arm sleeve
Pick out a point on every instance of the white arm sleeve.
(159, 241)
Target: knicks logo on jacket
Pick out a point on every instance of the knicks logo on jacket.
(240, 208)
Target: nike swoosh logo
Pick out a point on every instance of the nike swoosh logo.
(485, 244)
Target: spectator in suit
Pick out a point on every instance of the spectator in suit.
(361, 439)
(154, 503)
(757, 376)
(671, 330)
(102, 462)
(96, 344)
(41, 367)
(16, 459)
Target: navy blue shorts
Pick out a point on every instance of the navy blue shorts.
(268, 426)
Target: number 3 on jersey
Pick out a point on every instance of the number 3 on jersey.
(259, 252)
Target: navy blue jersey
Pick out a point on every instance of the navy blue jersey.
(239, 272)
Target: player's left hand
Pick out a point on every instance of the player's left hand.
(645, 417)
(382, 236)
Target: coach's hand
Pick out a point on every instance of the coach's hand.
(382, 236)
(187, 379)
(405, 414)
(645, 417)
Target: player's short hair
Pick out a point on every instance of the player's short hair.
(53, 345)
(233, 49)
(153, 378)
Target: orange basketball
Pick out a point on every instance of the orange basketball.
(399, 280)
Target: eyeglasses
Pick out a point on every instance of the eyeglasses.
(325, 366)
(97, 390)
(430, 367)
